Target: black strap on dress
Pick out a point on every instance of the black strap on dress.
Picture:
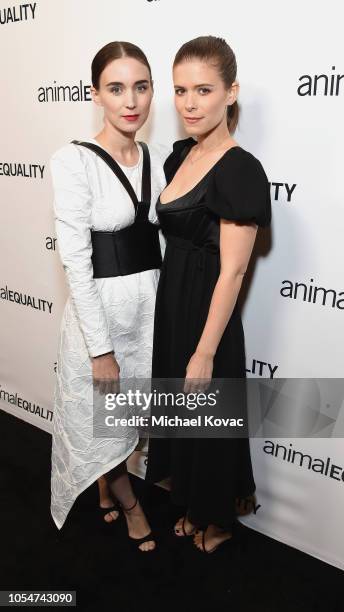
(134, 248)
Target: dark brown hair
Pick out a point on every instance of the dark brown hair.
(214, 49)
(112, 51)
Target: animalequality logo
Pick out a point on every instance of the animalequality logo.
(28, 405)
(322, 466)
(320, 84)
(25, 170)
(261, 368)
(282, 191)
(65, 93)
(312, 294)
(24, 299)
(50, 243)
(23, 12)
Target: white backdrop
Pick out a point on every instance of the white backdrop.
(298, 138)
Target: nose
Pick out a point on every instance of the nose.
(190, 103)
(130, 101)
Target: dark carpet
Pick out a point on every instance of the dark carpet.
(254, 573)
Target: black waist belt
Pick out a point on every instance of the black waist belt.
(135, 248)
(130, 250)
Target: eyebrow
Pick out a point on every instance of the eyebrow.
(119, 83)
(200, 85)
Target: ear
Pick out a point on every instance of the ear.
(233, 93)
(95, 96)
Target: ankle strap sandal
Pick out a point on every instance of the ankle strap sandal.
(137, 541)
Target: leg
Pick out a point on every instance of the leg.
(105, 500)
(119, 484)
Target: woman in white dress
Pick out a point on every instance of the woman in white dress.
(107, 324)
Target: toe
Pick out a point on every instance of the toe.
(111, 516)
(147, 546)
(198, 539)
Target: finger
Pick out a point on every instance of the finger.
(191, 388)
(194, 384)
(107, 387)
(207, 384)
(201, 384)
(102, 387)
(186, 386)
(116, 385)
(111, 387)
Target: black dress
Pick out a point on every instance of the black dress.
(207, 475)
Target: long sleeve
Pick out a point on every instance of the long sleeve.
(73, 209)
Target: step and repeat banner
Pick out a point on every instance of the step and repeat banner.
(291, 73)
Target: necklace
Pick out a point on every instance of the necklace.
(193, 161)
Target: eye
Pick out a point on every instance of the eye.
(116, 89)
(142, 87)
(179, 91)
(204, 90)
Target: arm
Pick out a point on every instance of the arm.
(236, 244)
(73, 209)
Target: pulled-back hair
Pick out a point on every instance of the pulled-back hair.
(112, 51)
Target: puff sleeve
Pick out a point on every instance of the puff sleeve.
(239, 189)
(173, 161)
(73, 208)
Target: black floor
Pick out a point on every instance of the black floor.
(94, 559)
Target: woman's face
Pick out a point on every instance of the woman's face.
(201, 98)
(125, 92)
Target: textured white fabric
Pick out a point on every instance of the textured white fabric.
(100, 314)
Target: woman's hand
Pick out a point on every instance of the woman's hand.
(105, 371)
(198, 372)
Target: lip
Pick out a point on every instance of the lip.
(131, 117)
(192, 119)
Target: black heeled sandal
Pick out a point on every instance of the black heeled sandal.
(103, 511)
(147, 538)
(216, 547)
(194, 530)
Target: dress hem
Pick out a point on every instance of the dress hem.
(105, 468)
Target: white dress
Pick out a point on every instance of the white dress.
(100, 315)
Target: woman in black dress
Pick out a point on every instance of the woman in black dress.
(217, 195)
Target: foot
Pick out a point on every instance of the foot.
(211, 538)
(184, 528)
(138, 526)
(107, 502)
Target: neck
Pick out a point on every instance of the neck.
(119, 144)
(217, 136)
